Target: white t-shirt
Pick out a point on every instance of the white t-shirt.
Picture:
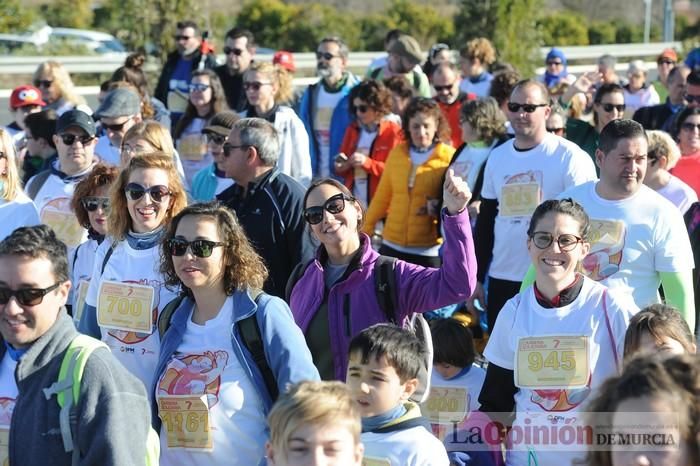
(469, 162)
(81, 273)
(137, 351)
(410, 447)
(520, 181)
(522, 327)
(360, 187)
(481, 88)
(193, 150)
(452, 399)
(679, 193)
(325, 105)
(206, 364)
(20, 212)
(632, 240)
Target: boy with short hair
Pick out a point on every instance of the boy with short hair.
(385, 361)
(315, 420)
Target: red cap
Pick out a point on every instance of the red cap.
(23, 96)
(668, 53)
(285, 60)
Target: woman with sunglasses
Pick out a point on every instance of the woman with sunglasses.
(57, 88)
(686, 131)
(90, 203)
(368, 140)
(206, 253)
(206, 99)
(127, 291)
(211, 180)
(148, 137)
(267, 85)
(16, 208)
(555, 342)
(409, 190)
(334, 297)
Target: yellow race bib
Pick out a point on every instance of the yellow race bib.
(519, 199)
(125, 306)
(80, 301)
(556, 362)
(186, 421)
(65, 225)
(192, 147)
(446, 405)
(4, 446)
(366, 461)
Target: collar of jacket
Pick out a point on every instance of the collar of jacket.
(412, 418)
(243, 306)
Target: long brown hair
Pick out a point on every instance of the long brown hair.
(217, 104)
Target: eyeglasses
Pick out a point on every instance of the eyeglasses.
(135, 192)
(326, 56)
(69, 139)
(179, 37)
(609, 107)
(566, 242)
(557, 131)
(116, 126)
(254, 85)
(229, 50)
(334, 205)
(688, 126)
(198, 87)
(527, 108)
(229, 147)
(43, 82)
(554, 63)
(199, 247)
(447, 87)
(91, 204)
(216, 139)
(692, 98)
(26, 296)
(361, 108)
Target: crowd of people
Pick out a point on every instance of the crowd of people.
(443, 262)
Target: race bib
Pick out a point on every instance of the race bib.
(447, 405)
(558, 362)
(375, 462)
(65, 225)
(192, 147)
(186, 421)
(125, 306)
(4, 446)
(519, 199)
(80, 301)
(177, 101)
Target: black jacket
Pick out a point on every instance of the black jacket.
(233, 88)
(169, 66)
(272, 215)
(653, 117)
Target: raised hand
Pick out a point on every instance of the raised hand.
(455, 193)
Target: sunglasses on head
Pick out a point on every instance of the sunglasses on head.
(688, 126)
(26, 296)
(334, 205)
(217, 139)
(527, 108)
(198, 87)
(135, 192)
(609, 107)
(180, 37)
(116, 126)
(254, 85)
(69, 139)
(229, 50)
(326, 56)
(692, 98)
(199, 247)
(566, 242)
(43, 83)
(91, 204)
(446, 87)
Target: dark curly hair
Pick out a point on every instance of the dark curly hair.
(430, 108)
(243, 267)
(101, 175)
(37, 242)
(374, 94)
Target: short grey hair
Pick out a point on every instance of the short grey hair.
(342, 46)
(607, 60)
(261, 134)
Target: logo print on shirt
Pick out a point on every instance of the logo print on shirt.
(195, 374)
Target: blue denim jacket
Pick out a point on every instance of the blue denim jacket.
(285, 347)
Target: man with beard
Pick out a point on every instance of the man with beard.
(404, 55)
(239, 49)
(324, 107)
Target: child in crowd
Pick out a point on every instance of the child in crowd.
(315, 420)
(658, 327)
(383, 368)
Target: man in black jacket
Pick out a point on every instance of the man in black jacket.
(172, 88)
(655, 116)
(240, 52)
(268, 203)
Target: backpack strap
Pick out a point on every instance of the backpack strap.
(107, 256)
(166, 314)
(416, 80)
(385, 286)
(38, 182)
(252, 339)
(376, 72)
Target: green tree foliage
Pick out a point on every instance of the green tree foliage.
(373, 29)
(628, 33)
(563, 28)
(600, 32)
(133, 30)
(69, 13)
(422, 22)
(270, 19)
(517, 36)
(476, 18)
(315, 21)
(14, 16)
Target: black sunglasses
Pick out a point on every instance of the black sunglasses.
(566, 242)
(362, 108)
(609, 107)
(229, 147)
(26, 296)
(326, 56)
(692, 98)
(135, 192)
(688, 126)
(527, 108)
(199, 247)
(116, 126)
(237, 52)
(553, 63)
(254, 85)
(43, 83)
(446, 87)
(217, 139)
(91, 204)
(69, 139)
(179, 37)
(334, 205)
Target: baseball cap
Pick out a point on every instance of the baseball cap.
(24, 96)
(285, 60)
(118, 103)
(669, 54)
(407, 47)
(221, 123)
(75, 118)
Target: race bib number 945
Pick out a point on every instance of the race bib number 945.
(557, 362)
